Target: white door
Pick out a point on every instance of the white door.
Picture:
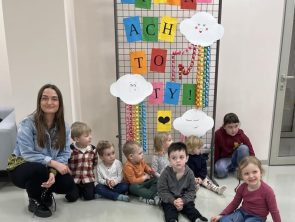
(283, 136)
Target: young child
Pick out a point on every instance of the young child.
(139, 174)
(231, 146)
(258, 198)
(176, 186)
(109, 174)
(197, 162)
(83, 160)
(160, 158)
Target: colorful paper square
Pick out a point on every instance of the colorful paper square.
(164, 121)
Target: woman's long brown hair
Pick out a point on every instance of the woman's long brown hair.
(58, 120)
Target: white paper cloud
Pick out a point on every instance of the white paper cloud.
(201, 29)
(193, 122)
(131, 88)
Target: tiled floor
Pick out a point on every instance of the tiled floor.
(13, 203)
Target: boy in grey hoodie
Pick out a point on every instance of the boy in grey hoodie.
(176, 186)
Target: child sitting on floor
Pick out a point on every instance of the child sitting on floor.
(109, 174)
(176, 186)
(198, 164)
(231, 145)
(83, 160)
(139, 174)
(257, 198)
(160, 160)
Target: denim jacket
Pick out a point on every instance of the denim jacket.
(27, 147)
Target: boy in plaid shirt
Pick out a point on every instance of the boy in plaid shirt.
(83, 160)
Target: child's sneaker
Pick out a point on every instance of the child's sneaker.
(147, 201)
(157, 200)
(221, 189)
(214, 188)
(97, 196)
(123, 197)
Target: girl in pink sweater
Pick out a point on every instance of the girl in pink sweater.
(258, 198)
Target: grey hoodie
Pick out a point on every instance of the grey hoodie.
(169, 188)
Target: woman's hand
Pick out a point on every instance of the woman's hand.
(60, 167)
(215, 218)
(49, 182)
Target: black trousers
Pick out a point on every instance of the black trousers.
(85, 190)
(31, 175)
(189, 210)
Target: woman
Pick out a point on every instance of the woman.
(43, 145)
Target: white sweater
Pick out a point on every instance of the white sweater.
(113, 172)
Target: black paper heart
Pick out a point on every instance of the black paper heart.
(164, 120)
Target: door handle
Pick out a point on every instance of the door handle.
(285, 77)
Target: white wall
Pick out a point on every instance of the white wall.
(37, 51)
(248, 66)
(96, 65)
(5, 82)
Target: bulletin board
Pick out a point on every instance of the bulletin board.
(181, 44)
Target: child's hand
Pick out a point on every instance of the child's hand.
(110, 183)
(152, 172)
(215, 218)
(146, 176)
(236, 145)
(198, 180)
(178, 203)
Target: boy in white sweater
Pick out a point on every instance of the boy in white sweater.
(109, 174)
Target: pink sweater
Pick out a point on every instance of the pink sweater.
(259, 202)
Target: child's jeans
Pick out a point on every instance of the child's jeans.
(225, 165)
(147, 189)
(189, 210)
(106, 192)
(241, 216)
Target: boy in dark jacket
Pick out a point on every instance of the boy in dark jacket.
(197, 162)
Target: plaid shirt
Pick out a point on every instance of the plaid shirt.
(82, 164)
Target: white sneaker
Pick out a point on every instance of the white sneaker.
(147, 201)
(157, 200)
(221, 189)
